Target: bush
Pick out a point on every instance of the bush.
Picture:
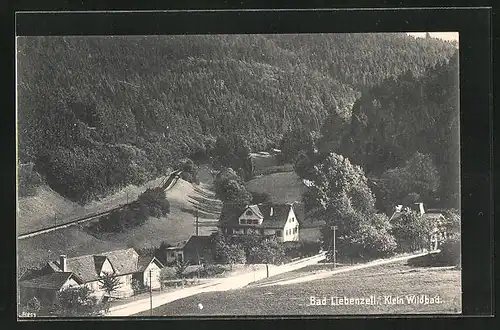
(189, 170)
(210, 270)
(451, 251)
(78, 301)
(150, 203)
(155, 198)
(412, 231)
(301, 249)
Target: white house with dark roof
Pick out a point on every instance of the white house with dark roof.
(125, 264)
(267, 219)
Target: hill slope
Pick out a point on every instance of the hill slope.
(179, 225)
(97, 113)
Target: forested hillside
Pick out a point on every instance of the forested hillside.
(406, 129)
(95, 113)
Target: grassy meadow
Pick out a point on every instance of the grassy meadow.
(394, 280)
(282, 187)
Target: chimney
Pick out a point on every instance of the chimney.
(421, 208)
(271, 213)
(62, 263)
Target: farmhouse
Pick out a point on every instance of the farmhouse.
(268, 219)
(439, 232)
(195, 250)
(66, 272)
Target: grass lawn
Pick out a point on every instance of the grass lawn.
(392, 280)
(282, 187)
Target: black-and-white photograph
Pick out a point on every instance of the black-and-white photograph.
(238, 174)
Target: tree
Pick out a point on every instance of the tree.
(417, 181)
(295, 141)
(412, 231)
(231, 151)
(189, 170)
(227, 251)
(452, 221)
(267, 251)
(109, 283)
(340, 195)
(180, 267)
(79, 301)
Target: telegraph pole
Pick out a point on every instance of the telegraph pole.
(334, 228)
(150, 295)
(197, 221)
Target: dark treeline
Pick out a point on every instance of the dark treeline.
(96, 113)
(399, 120)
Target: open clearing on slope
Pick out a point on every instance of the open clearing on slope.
(177, 226)
(48, 208)
(282, 187)
(396, 279)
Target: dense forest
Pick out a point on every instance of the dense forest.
(95, 113)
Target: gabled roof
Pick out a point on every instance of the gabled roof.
(99, 262)
(53, 281)
(123, 261)
(199, 242)
(145, 261)
(88, 267)
(255, 209)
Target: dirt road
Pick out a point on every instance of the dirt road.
(326, 274)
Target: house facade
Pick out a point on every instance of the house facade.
(126, 265)
(266, 219)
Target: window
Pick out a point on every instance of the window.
(243, 221)
(248, 212)
(255, 222)
(278, 232)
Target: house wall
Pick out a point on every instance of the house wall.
(155, 276)
(174, 255)
(253, 216)
(291, 228)
(125, 289)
